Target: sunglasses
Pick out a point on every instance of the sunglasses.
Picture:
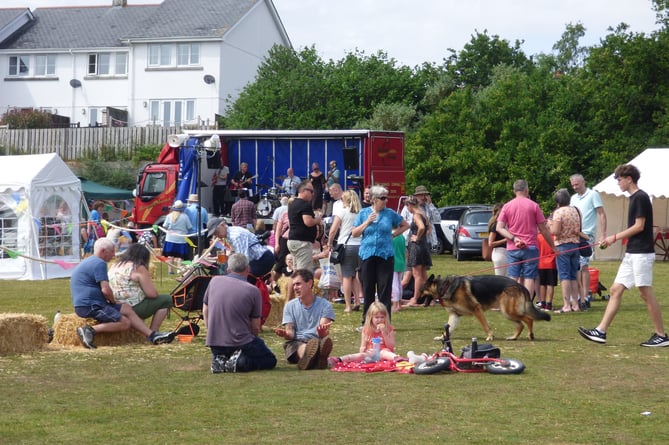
(309, 190)
(382, 198)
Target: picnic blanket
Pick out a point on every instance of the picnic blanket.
(403, 366)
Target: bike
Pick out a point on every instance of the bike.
(474, 358)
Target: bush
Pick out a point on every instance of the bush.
(26, 118)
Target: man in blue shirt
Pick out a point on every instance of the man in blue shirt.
(306, 325)
(92, 297)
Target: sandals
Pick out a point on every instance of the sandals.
(563, 311)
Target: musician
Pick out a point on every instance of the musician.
(289, 185)
(243, 178)
(220, 183)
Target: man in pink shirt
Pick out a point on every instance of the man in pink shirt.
(518, 222)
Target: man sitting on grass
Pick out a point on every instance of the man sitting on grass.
(306, 325)
(92, 297)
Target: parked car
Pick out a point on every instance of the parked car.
(449, 221)
(471, 230)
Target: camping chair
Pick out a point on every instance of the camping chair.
(188, 299)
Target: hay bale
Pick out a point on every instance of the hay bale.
(65, 333)
(21, 333)
(275, 316)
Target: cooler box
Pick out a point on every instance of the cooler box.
(594, 280)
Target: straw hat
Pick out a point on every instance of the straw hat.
(178, 206)
(421, 190)
(193, 198)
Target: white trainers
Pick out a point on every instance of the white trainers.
(415, 359)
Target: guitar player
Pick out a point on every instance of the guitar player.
(243, 179)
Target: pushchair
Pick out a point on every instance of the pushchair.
(188, 299)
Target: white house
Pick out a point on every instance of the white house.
(173, 63)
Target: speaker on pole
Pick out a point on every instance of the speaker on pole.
(350, 159)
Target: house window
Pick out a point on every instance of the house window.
(45, 65)
(160, 55)
(19, 65)
(188, 54)
(121, 68)
(172, 112)
(107, 64)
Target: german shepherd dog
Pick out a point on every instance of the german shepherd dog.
(472, 295)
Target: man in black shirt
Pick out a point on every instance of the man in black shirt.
(303, 223)
(637, 266)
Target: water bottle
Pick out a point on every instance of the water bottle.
(56, 317)
(376, 345)
(475, 345)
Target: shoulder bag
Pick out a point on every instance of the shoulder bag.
(337, 254)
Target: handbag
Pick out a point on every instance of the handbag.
(486, 250)
(584, 247)
(337, 254)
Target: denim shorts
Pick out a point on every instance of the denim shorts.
(109, 313)
(523, 263)
(568, 261)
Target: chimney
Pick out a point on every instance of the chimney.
(120, 3)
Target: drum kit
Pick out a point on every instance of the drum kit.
(268, 202)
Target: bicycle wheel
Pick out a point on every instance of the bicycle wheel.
(430, 366)
(506, 366)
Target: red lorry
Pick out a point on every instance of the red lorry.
(363, 157)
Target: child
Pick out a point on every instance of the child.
(547, 275)
(376, 325)
(399, 247)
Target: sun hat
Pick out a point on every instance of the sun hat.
(421, 190)
(178, 206)
(193, 198)
(212, 224)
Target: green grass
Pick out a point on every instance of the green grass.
(572, 391)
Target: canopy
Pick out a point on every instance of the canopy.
(93, 190)
(652, 164)
(39, 217)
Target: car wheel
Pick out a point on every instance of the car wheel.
(437, 249)
(458, 255)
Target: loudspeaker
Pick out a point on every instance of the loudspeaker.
(350, 159)
(214, 160)
(175, 140)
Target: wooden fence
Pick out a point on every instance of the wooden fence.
(86, 142)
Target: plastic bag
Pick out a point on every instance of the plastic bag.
(330, 275)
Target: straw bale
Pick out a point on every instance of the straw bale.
(65, 333)
(21, 333)
(275, 316)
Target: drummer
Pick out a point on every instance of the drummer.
(289, 185)
(243, 212)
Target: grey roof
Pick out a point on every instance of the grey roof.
(107, 27)
(7, 15)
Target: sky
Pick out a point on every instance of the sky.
(417, 31)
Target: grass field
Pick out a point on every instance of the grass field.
(572, 391)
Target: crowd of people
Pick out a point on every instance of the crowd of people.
(386, 256)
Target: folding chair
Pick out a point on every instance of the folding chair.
(188, 299)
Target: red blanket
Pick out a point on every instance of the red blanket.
(383, 366)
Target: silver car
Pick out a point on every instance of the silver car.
(471, 230)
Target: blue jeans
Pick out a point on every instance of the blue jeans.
(255, 355)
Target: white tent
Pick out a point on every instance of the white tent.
(652, 163)
(39, 217)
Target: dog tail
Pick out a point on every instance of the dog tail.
(532, 310)
(537, 314)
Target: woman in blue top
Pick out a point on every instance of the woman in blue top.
(377, 225)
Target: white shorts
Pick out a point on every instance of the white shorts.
(636, 270)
